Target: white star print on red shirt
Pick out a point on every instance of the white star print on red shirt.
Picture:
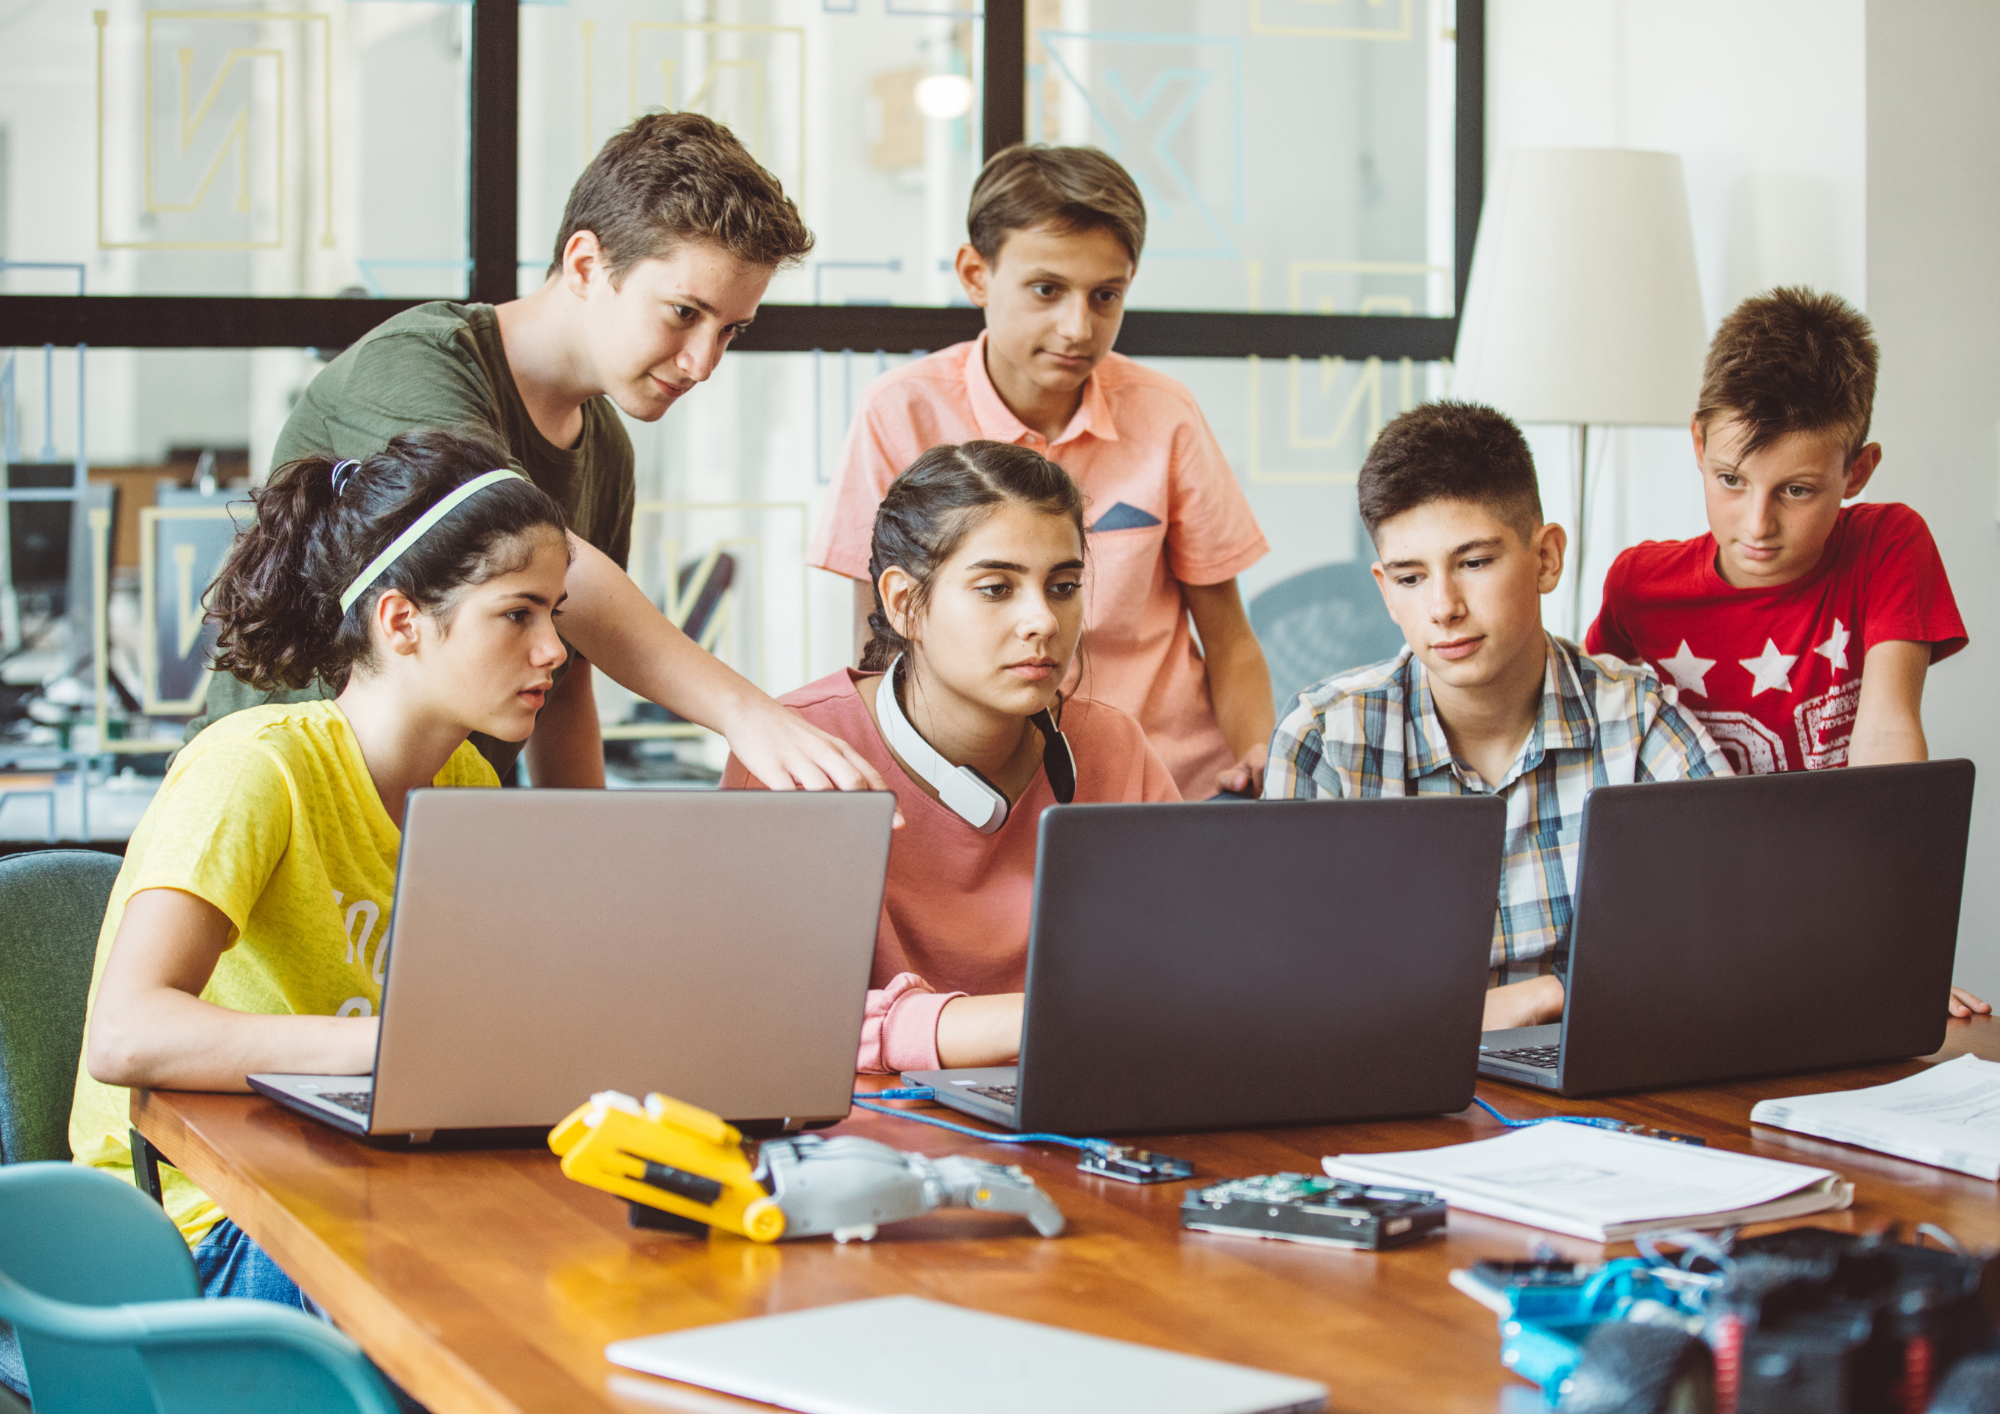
(1774, 674)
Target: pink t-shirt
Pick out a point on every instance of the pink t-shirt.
(1163, 508)
(955, 910)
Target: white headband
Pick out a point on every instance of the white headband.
(416, 530)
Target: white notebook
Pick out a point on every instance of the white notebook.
(906, 1355)
(1602, 1185)
(1947, 1116)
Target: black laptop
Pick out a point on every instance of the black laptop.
(1216, 966)
(1754, 925)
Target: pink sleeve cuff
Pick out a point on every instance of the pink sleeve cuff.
(899, 1027)
(1219, 569)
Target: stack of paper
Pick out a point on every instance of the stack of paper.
(1603, 1185)
(1948, 1116)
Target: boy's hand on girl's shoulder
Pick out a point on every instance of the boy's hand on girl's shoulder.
(786, 752)
(1963, 1003)
(1246, 775)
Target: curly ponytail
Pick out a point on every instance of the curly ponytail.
(277, 596)
(929, 509)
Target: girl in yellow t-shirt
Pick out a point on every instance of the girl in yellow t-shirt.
(246, 930)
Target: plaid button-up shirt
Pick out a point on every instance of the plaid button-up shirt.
(1375, 732)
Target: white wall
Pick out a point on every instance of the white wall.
(1934, 294)
(1762, 99)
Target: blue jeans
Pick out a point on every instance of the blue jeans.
(228, 1263)
(12, 1373)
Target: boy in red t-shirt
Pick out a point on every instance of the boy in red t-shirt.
(1798, 629)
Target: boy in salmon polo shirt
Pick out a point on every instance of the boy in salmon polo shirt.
(1799, 630)
(1055, 239)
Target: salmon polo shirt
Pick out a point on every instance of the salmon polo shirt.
(955, 904)
(1162, 506)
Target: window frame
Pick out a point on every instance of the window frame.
(263, 321)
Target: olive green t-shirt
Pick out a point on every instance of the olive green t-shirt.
(443, 365)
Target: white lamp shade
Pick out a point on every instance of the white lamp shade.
(1584, 305)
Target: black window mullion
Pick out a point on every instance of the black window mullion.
(1146, 333)
(492, 200)
(1469, 143)
(1004, 76)
(191, 321)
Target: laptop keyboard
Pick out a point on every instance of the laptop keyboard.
(353, 1101)
(1002, 1094)
(1540, 1057)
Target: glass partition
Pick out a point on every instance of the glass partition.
(162, 443)
(314, 148)
(867, 110)
(1296, 155)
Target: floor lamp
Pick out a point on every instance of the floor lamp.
(1584, 306)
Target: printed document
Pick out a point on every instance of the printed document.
(1602, 1185)
(1947, 1116)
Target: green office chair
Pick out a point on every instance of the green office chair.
(102, 1294)
(51, 908)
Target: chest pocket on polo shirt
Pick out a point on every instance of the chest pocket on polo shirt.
(1122, 567)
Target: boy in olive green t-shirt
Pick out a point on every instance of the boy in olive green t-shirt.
(446, 365)
(668, 242)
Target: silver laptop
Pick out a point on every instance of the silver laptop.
(1238, 966)
(1752, 926)
(547, 944)
(830, 1360)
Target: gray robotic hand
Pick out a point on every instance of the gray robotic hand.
(848, 1186)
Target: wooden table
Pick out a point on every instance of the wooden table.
(488, 1281)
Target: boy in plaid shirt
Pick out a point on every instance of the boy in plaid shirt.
(1484, 701)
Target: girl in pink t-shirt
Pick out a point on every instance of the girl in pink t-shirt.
(977, 562)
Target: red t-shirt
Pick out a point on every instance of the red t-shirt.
(1775, 674)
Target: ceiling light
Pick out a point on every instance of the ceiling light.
(944, 96)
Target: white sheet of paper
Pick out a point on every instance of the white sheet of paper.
(1574, 1178)
(1947, 1116)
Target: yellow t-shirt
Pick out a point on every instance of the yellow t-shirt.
(270, 815)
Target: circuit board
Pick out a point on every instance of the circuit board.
(1296, 1207)
(1130, 1165)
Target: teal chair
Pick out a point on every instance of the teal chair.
(1319, 622)
(51, 907)
(102, 1294)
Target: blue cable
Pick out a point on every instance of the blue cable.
(865, 1100)
(1594, 1121)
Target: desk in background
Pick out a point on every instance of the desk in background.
(487, 1281)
